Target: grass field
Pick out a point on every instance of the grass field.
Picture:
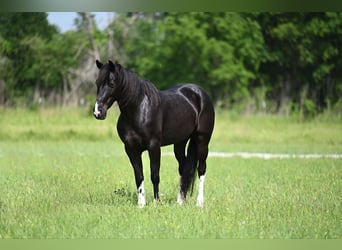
(64, 174)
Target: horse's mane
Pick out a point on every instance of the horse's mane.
(134, 87)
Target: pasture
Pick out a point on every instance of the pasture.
(64, 174)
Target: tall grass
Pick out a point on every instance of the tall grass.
(54, 124)
(231, 133)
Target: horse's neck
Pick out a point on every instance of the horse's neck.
(135, 90)
(130, 96)
(136, 98)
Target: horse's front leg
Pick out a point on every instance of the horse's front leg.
(134, 156)
(154, 154)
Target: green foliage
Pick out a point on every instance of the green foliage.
(20, 70)
(280, 61)
(304, 50)
(231, 54)
(309, 108)
(199, 47)
(37, 56)
(56, 56)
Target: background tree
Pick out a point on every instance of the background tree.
(304, 55)
(18, 75)
(251, 62)
(171, 48)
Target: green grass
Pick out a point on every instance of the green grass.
(232, 133)
(65, 175)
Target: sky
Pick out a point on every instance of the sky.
(65, 20)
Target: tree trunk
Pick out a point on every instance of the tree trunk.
(285, 96)
(2, 92)
(90, 31)
(36, 96)
(65, 91)
(111, 43)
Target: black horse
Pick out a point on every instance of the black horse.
(151, 118)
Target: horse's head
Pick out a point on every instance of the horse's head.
(107, 88)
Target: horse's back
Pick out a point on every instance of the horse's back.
(192, 92)
(186, 107)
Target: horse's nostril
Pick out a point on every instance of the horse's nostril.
(97, 110)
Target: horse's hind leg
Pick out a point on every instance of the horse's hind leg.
(203, 141)
(179, 150)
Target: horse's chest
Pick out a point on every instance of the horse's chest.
(137, 132)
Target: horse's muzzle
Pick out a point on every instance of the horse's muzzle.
(99, 112)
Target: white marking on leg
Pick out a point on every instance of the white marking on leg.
(180, 197)
(96, 110)
(141, 195)
(200, 197)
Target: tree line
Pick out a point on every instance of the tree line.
(250, 62)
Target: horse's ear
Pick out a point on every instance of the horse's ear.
(111, 65)
(99, 64)
(117, 64)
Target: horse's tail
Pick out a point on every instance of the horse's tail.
(190, 166)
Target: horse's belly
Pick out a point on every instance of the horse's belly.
(178, 124)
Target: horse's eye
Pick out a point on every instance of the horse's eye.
(111, 84)
(111, 80)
